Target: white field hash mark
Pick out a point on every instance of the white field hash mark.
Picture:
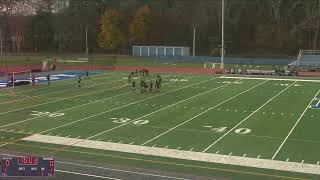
(209, 109)
(232, 129)
(284, 141)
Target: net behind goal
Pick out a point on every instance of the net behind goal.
(19, 78)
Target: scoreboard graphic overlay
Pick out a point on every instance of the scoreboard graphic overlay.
(27, 166)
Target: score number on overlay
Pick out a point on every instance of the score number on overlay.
(27, 166)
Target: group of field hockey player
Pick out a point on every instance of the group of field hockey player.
(148, 83)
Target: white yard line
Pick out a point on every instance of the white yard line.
(61, 91)
(156, 137)
(104, 112)
(232, 129)
(180, 154)
(305, 110)
(171, 105)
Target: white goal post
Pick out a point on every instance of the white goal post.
(210, 65)
(19, 77)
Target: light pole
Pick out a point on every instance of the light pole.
(87, 49)
(222, 34)
(194, 41)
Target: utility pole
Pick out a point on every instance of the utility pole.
(1, 41)
(194, 41)
(222, 36)
(87, 49)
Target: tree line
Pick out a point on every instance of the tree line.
(252, 27)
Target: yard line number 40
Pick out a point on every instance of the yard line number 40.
(224, 129)
(127, 120)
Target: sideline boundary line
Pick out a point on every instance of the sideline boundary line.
(274, 79)
(292, 129)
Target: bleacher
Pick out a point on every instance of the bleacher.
(307, 58)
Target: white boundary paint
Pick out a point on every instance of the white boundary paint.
(179, 154)
(274, 79)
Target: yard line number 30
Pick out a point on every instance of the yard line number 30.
(127, 120)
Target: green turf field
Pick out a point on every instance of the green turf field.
(262, 119)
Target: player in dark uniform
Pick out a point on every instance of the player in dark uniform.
(157, 88)
(48, 79)
(159, 78)
(79, 81)
(134, 85)
(141, 85)
(33, 80)
(146, 87)
(151, 86)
